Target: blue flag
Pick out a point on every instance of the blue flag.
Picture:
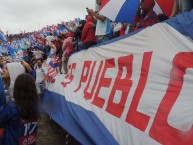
(11, 51)
(61, 27)
(3, 38)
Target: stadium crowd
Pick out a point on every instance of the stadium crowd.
(36, 57)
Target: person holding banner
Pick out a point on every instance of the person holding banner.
(103, 25)
(148, 17)
(67, 48)
(88, 33)
(19, 117)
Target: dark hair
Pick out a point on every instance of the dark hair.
(78, 31)
(53, 41)
(39, 59)
(26, 97)
(60, 37)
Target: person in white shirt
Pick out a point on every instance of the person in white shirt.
(40, 76)
(49, 39)
(53, 47)
(103, 24)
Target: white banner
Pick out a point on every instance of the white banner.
(140, 87)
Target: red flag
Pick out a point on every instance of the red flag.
(166, 6)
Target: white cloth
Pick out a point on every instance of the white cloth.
(49, 39)
(15, 69)
(103, 27)
(117, 27)
(38, 54)
(40, 73)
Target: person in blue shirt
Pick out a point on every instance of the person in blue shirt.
(19, 116)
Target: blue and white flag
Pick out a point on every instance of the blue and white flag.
(122, 11)
(11, 51)
(61, 27)
(2, 37)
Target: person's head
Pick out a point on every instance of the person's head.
(89, 19)
(53, 42)
(10, 73)
(99, 2)
(64, 35)
(70, 34)
(81, 24)
(26, 97)
(39, 62)
(162, 17)
(5, 74)
(147, 5)
(124, 25)
(51, 34)
(59, 38)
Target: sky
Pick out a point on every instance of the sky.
(30, 15)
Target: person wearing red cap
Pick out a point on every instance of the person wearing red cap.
(88, 33)
(149, 17)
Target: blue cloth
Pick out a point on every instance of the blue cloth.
(11, 51)
(61, 27)
(14, 127)
(10, 121)
(3, 38)
(128, 11)
(33, 74)
(26, 58)
(183, 23)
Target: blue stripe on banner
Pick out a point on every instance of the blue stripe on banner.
(80, 123)
(128, 11)
(183, 23)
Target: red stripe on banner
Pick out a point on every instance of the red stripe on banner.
(55, 74)
(134, 117)
(166, 6)
(161, 130)
(104, 3)
(51, 73)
